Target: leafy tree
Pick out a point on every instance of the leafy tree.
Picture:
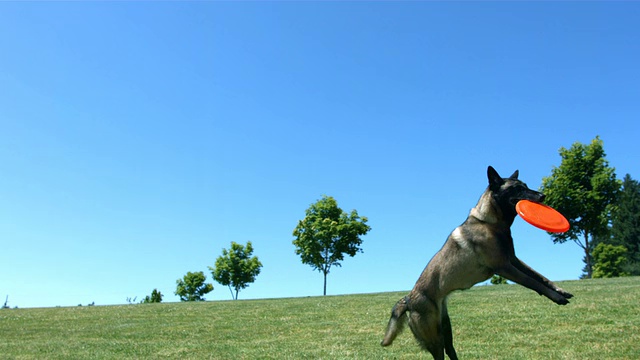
(609, 261)
(156, 297)
(584, 189)
(625, 225)
(192, 287)
(497, 280)
(236, 268)
(326, 234)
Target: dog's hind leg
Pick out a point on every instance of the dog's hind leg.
(448, 333)
(425, 323)
(397, 321)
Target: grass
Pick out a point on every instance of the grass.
(489, 322)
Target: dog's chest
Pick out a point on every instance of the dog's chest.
(464, 257)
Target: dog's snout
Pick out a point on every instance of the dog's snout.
(542, 196)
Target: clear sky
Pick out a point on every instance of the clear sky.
(138, 139)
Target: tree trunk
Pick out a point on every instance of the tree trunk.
(324, 292)
(325, 270)
(231, 291)
(588, 255)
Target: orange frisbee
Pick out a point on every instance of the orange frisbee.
(542, 216)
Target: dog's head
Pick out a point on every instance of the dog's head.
(508, 191)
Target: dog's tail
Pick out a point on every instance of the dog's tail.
(397, 321)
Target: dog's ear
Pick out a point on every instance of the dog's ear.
(495, 181)
(514, 176)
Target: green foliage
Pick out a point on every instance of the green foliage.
(609, 261)
(498, 280)
(236, 268)
(156, 297)
(584, 189)
(326, 234)
(489, 322)
(625, 225)
(192, 287)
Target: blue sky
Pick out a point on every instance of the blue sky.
(138, 139)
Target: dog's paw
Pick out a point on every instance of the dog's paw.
(557, 297)
(567, 295)
(562, 301)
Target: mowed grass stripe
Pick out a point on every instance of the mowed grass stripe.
(489, 322)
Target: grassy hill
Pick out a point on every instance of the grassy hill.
(489, 322)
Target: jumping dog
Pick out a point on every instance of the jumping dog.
(474, 251)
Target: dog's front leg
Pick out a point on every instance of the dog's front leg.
(539, 277)
(514, 274)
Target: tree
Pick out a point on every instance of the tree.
(584, 189)
(625, 224)
(156, 297)
(498, 280)
(326, 234)
(609, 261)
(236, 268)
(192, 287)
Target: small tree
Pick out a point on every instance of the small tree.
(156, 297)
(584, 189)
(236, 268)
(326, 234)
(609, 261)
(498, 280)
(192, 287)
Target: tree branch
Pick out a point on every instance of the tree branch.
(577, 241)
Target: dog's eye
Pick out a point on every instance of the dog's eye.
(521, 186)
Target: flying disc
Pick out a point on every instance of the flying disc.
(542, 216)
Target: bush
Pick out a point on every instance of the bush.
(156, 297)
(609, 261)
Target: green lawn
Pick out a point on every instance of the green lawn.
(489, 322)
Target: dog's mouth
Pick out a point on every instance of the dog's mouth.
(538, 199)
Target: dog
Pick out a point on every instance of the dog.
(474, 251)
